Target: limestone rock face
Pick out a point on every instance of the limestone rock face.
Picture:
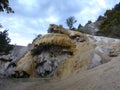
(108, 50)
(15, 54)
(8, 62)
(60, 53)
(72, 34)
(48, 61)
(93, 27)
(49, 50)
(96, 60)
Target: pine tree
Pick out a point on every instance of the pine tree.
(4, 6)
(5, 47)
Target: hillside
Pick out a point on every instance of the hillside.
(92, 27)
(103, 77)
(64, 59)
(107, 25)
(111, 23)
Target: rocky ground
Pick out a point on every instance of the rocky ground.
(103, 77)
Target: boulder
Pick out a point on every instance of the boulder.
(107, 50)
(96, 60)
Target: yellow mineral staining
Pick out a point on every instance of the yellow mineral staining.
(56, 39)
(26, 64)
(62, 37)
(58, 29)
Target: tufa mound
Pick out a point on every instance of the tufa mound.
(72, 34)
(54, 40)
(61, 53)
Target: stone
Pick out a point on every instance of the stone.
(72, 34)
(15, 54)
(96, 60)
(48, 61)
(108, 50)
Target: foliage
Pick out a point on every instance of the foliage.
(111, 23)
(70, 21)
(80, 26)
(4, 6)
(115, 32)
(5, 47)
(80, 29)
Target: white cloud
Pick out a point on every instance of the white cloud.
(88, 14)
(14, 34)
(33, 17)
(95, 11)
(102, 3)
(27, 2)
(52, 20)
(2, 29)
(22, 41)
(90, 11)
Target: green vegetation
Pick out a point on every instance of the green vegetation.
(5, 47)
(4, 6)
(80, 29)
(70, 21)
(111, 24)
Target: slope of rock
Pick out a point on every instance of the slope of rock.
(61, 53)
(17, 53)
(103, 77)
(93, 27)
(69, 59)
(53, 55)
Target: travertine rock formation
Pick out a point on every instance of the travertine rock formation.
(61, 53)
(11, 59)
(72, 34)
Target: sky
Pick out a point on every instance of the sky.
(32, 17)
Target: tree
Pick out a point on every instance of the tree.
(80, 27)
(5, 47)
(4, 6)
(70, 21)
(111, 23)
